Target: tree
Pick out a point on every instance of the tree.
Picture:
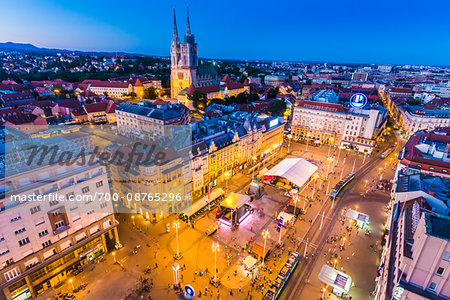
(199, 100)
(243, 78)
(415, 101)
(277, 107)
(308, 82)
(132, 95)
(272, 93)
(151, 93)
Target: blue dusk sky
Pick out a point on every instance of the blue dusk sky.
(359, 31)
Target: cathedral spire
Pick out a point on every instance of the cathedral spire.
(175, 30)
(188, 24)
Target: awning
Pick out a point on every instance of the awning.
(259, 251)
(296, 170)
(250, 262)
(234, 200)
(358, 216)
(335, 278)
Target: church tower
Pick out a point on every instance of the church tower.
(184, 59)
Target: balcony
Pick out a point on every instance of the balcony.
(61, 229)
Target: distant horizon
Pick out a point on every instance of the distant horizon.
(223, 59)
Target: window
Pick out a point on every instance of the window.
(19, 230)
(85, 189)
(446, 256)
(18, 217)
(42, 233)
(24, 241)
(60, 224)
(432, 286)
(53, 203)
(440, 271)
(70, 195)
(46, 243)
(35, 209)
(99, 184)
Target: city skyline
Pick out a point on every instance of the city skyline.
(151, 35)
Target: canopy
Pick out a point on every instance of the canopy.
(250, 262)
(234, 200)
(358, 216)
(335, 278)
(296, 170)
(259, 251)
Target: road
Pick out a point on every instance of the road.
(351, 194)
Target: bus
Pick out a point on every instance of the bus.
(203, 205)
(387, 152)
(286, 271)
(341, 184)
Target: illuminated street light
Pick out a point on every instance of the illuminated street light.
(114, 256)
(227, 175)
(289, 145)
(215, 248)
(343, 241)
(265, 235)
(71, 283)
(176, 225)
(366, 182)
(132, 218)
(335, 262)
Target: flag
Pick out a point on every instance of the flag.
(263, 157)
(380, 268)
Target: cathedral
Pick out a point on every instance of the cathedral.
(185, 70)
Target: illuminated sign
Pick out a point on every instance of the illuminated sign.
(189, 292)
(358, 100)
(273, 123)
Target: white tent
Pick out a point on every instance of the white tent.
(337, 279)
(296, 170)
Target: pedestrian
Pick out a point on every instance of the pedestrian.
(156, 265)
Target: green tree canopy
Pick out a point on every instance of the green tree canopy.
(272, 93)
(277, 107)
(151, 93)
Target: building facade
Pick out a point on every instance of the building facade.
(42, 242)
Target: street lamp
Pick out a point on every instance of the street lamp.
(71, 282)
(380, 169)
(357, 207)
(132, 218)
(253, 169)
(215, 248)
(227, 175)
(295, 204)
(289, 144)
(307, 136)
(366, 182)
(265, 235)
(323, 292)
(335, 262)
(114, 256)
(315, 181)
(330, 159)
(176, 225)
(343, 241)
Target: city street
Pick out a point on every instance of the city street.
(156, 247)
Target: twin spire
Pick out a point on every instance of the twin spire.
(189, 37)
